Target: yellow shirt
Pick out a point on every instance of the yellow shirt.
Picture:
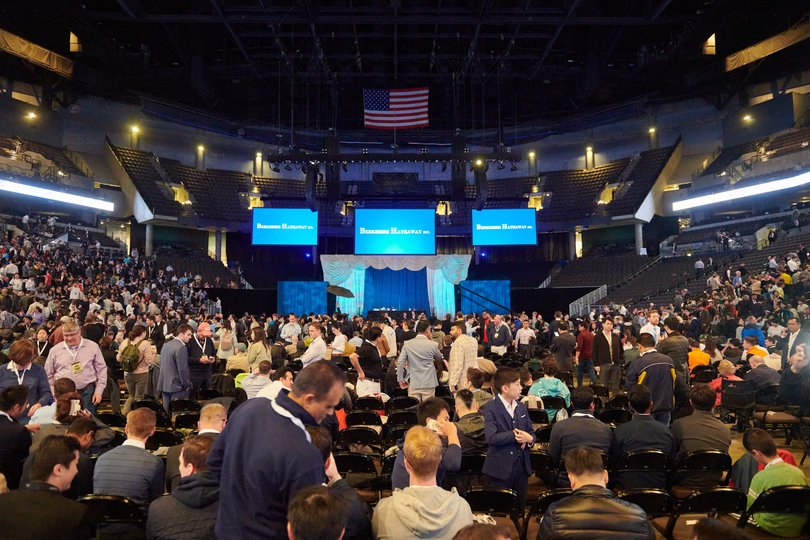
(698, 358)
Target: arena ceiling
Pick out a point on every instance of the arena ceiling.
(488, 63)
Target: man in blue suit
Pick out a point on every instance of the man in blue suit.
(174, 381)
(508, 431)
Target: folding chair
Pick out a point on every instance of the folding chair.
(739, 399)
(186, 421)
(553, 402)
(469, 473)
(540, 506)
(543, 434)
(783, 500)
(538, 416)
(648, 467)
(711, 501)
(402, 403)
(704, 467)
(113, 420)
(178, 406)
(619, 401)
(495, 502)
(392, 433)
(612, 417)
(359, 436)
(109, 509)
(403, 418)
(654, 502)
(359, 472)
(363, 418)
(149, 404)
(369, 403)
(163, 438)
(600, 390)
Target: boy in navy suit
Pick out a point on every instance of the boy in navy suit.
(508, 431)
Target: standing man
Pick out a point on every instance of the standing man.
(657, 372)
(81, 361)
(584, 354)
(419, 353)
(366, 361)
(653, 327)
(509, 434)
(794, 337)
(257, 475)
(174, 381)
(499, 336)
(463, 356)
(564, 347)
(391, 337)
(524, 340)
(201, 356)
(608, 356)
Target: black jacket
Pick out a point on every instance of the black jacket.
(189, 512)
(358, 524)
(40, 511)
(595, 512)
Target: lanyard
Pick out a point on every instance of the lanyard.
(202, 345)
(41, 350)
(20, 377)
(74, 354)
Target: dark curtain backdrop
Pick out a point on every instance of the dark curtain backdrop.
(396, 289)
(485, 295)
(302, 297)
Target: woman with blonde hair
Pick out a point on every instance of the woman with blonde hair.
(726, 371)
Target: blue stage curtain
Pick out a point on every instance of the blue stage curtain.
(357, 284)
(491, 291)
(302, 297)
(397, 290)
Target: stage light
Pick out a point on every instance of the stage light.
(258, 155)
(200, 148)
(531, 154)
(50, 194)
(651, 130)
(135, 130)
(478, 162)
(589, 148)
(750, 191)
(31, 115)
(748, 118)
(514, 166)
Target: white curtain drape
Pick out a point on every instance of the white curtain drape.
(338, 268)
(441, 294)
(357, 284)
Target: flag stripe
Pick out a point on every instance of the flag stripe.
(395, 108)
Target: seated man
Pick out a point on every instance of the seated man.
(282, 381)
(129, 470)
(358, 525)
(190, 511)
(38, 510)
(83, 429)
(700, 431)
(581, 429)
(476, 379)
(592, 511)
(470, 423)
(213, 418)
(423, 509)
(433, 413)
(762, 375)
(641, 433)
(315, 514)
(253, 383)
(47, 414)
(775, 473)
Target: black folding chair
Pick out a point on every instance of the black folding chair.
(739, 399)
(538, 416)
(613, 417)
(710, 501)
(543, 434)
(149, 404)
(469, 473)
(163, 438)
(109, 509)
(208, 394)
(782, 500)
(540, 506)
(369, 403)
(358, 470)
(619, 401)
(392, 433)
(113, 420)
(704, 377)
(178, 406)
(553, 402)
(363, 418)
(402, 403)
(641, 465)
(403, 418)
(654, 502)
(495, 502)
(704, 467)
(386, 471)
(600, 390)
(359, 436)
(187, 420)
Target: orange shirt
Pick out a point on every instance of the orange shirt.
(698, 358)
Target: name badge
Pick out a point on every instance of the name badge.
(77, 368)
(496, 335)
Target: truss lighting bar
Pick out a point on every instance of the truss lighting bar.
(53, 195)
(750, 191)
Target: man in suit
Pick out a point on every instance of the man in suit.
(762, 375)
(509, 433)
(564, 347)
(213, 418)
(580, 429)
(14, 437)
(38, 510)
(641, 433)
(794, 337)
(174, 380)
(419, 353)
(608, 355)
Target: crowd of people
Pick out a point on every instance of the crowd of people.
(75, 329)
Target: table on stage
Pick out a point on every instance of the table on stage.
(377, 314)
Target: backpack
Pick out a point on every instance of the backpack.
(226, 341)
(130, 358)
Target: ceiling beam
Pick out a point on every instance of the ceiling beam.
(471, 50)
(235, 36)
(550, 44)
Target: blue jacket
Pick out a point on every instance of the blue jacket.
(753, 330)
(498, 429)
(174, 375)
(261, 459)
(34, 377)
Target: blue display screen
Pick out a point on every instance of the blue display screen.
(285, 227)
(504, 227)
(394, 232)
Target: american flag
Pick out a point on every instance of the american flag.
(401, 108)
